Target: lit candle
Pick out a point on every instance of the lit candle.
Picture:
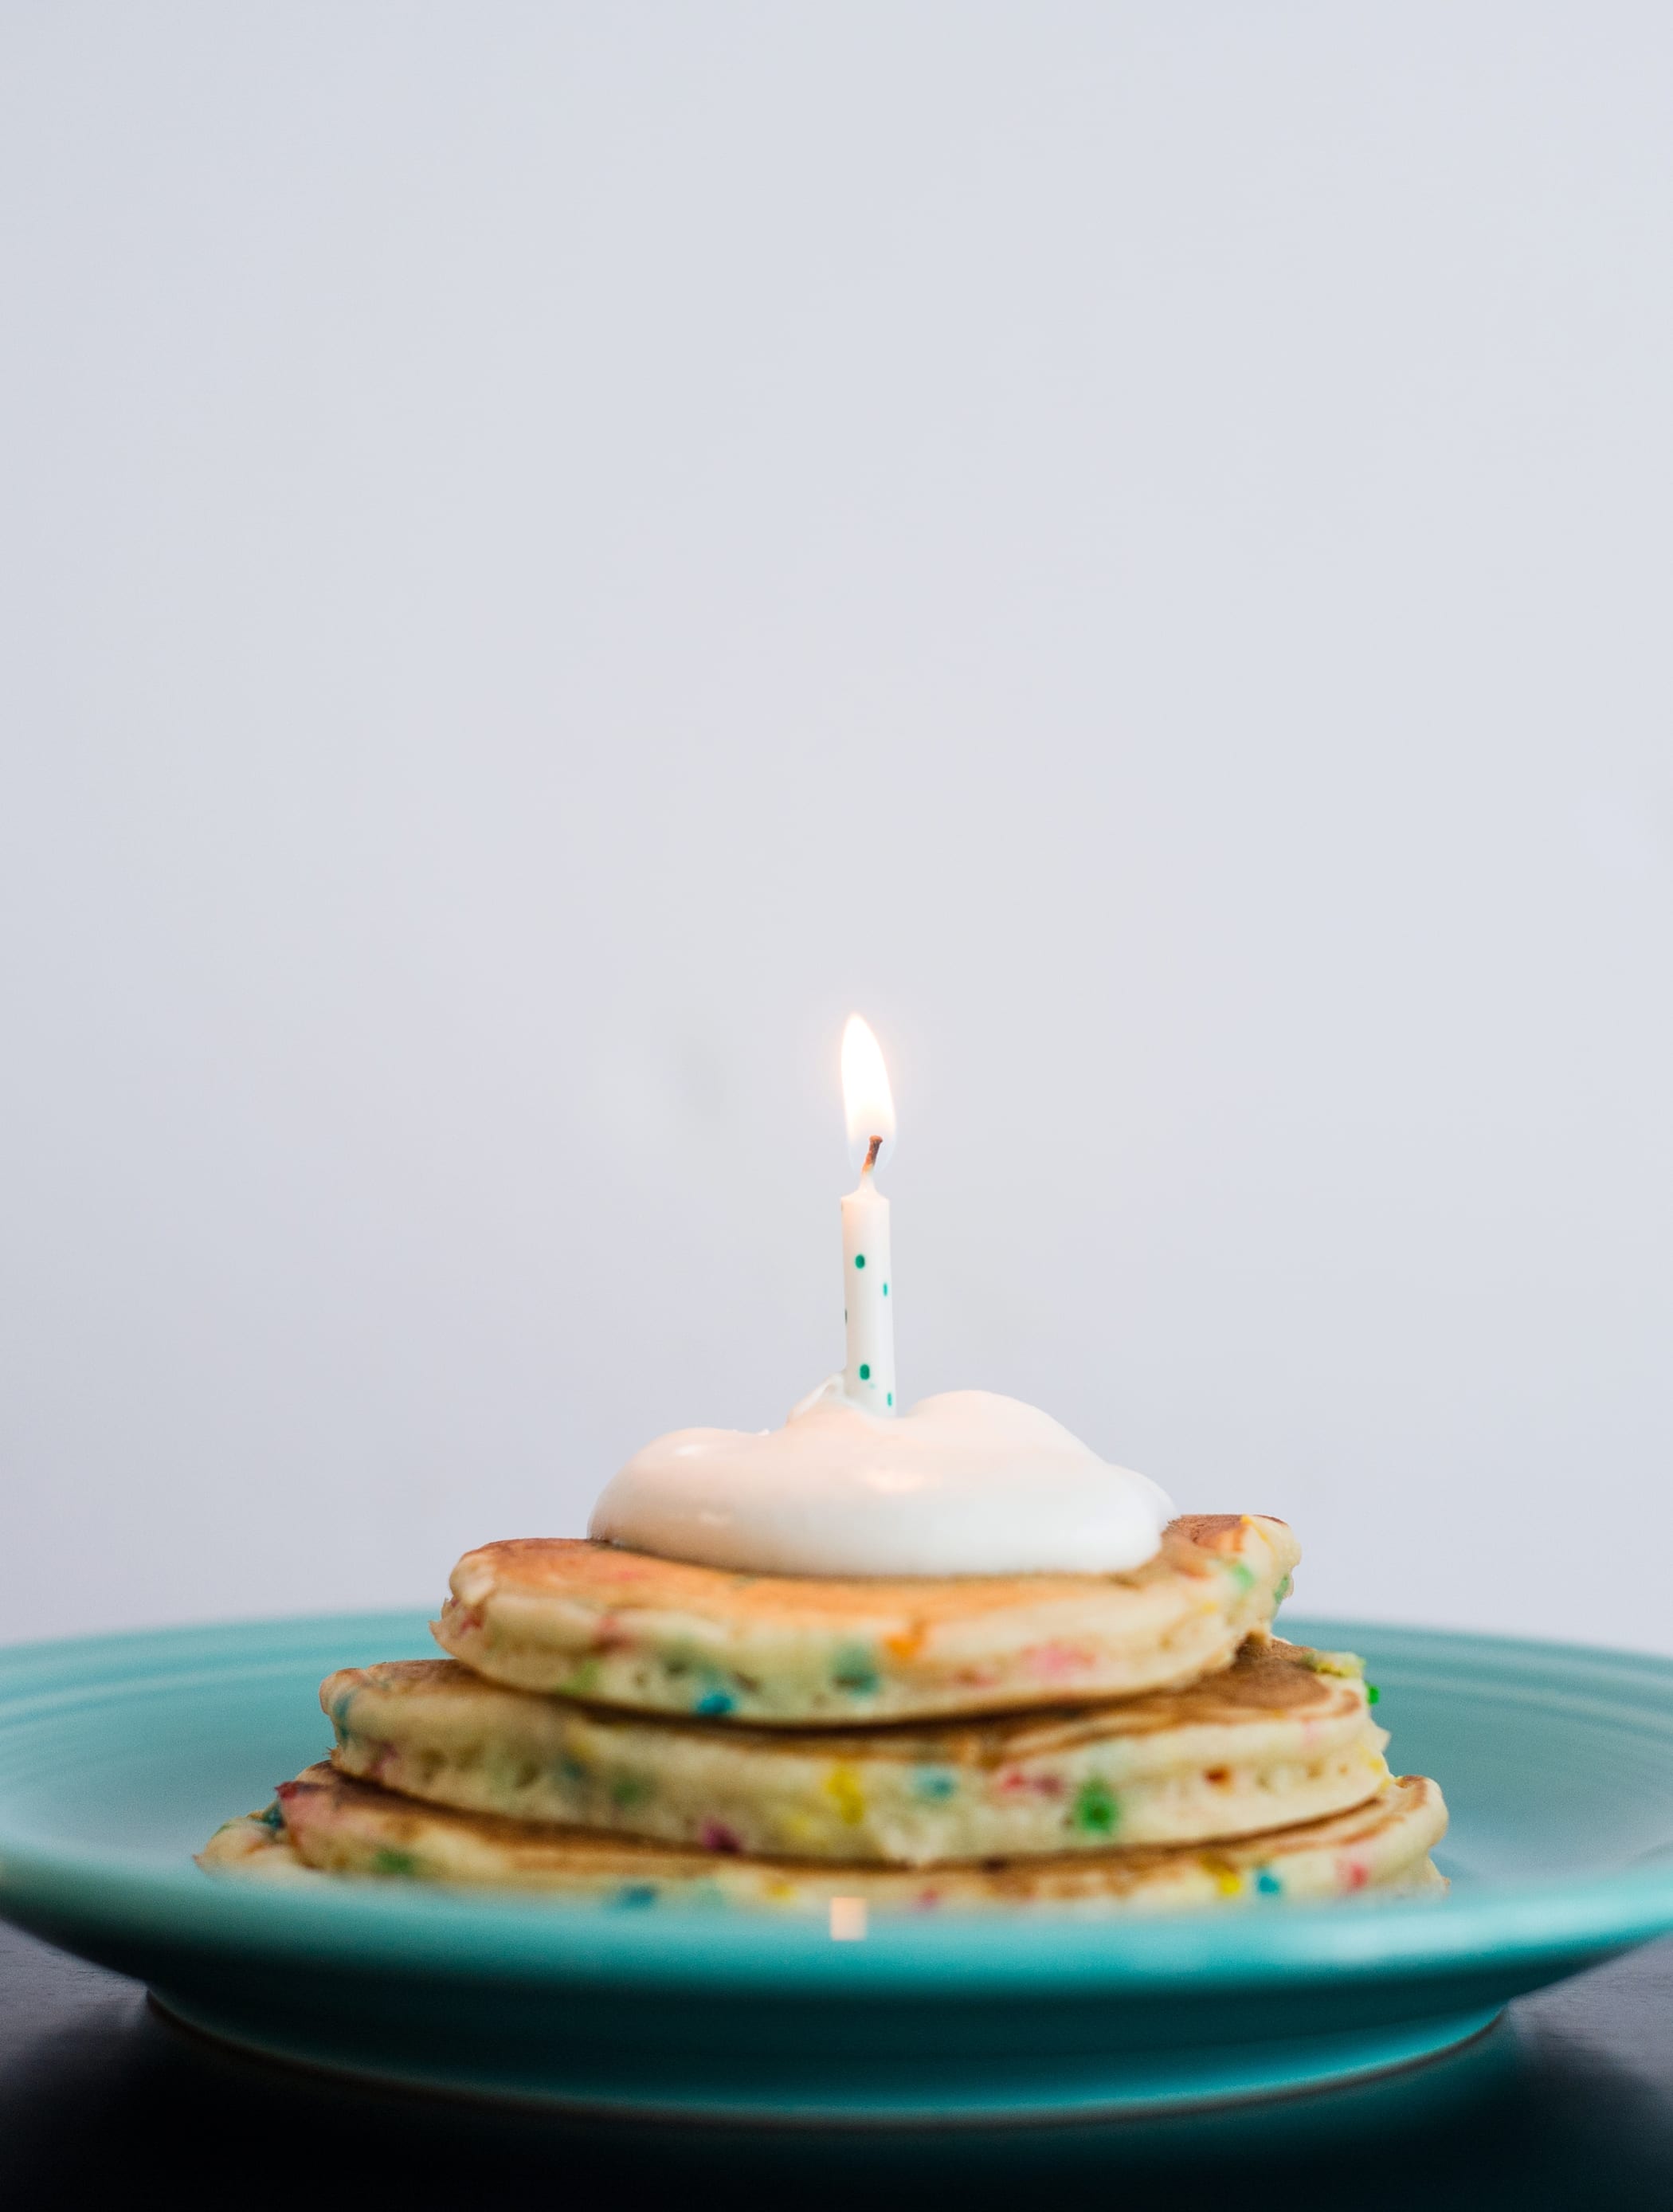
(868, 1379)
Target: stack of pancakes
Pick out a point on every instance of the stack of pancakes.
(623, 1727)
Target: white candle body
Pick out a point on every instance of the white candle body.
(868, 1379)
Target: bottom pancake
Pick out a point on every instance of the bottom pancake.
(327, 1822)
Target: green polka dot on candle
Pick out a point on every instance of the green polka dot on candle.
(865, 1372)
(885, 1290)
(859, 1259)
(891, 1397)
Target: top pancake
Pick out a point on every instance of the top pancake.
(625, 1628)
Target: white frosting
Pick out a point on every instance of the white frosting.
(968, 1483)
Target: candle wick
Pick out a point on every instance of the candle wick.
(871, 1152)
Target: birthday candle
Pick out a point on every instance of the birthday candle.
(867, 1305)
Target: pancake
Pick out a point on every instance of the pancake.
(1282, 1735)
(627, 1629)
(341, 1826)
(257, 1844)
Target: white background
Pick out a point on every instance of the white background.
(552, 551)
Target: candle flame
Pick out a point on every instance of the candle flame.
(866, 1097)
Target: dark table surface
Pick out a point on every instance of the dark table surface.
(1568, 2103)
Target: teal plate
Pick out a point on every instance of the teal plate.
(119, 1755)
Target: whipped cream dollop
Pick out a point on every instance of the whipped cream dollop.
(967, 1483)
